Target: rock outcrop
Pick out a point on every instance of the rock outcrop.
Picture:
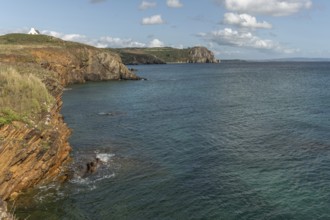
(201, 55)
(73, 62)
(78, 65)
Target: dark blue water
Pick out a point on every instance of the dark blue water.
(222, 141)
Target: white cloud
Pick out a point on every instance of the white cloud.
(269, 7)
(67, 37)
(174, 3)
(155, 19)
(244, 20)
(101, 42)
(156, 43)
(145, 5)
(117, 42)
(230, 37)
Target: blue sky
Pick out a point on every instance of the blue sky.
(232, 29)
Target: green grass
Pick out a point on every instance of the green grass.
(166, 54)
(7, 116)
(33, 40)
(22, 95)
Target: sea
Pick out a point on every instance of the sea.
(244, 140)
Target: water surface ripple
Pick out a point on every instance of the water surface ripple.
(222, 141)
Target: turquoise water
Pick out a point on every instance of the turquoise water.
(221, 141)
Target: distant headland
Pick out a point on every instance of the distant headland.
(162, 55)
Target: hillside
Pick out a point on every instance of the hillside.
(73, 62)
(34, 69)
(165, 55)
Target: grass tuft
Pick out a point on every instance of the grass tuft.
(22, 95)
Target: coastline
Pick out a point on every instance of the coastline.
(35, 149)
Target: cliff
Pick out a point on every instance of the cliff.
(34, 146)
(165, 55)
(73, 62)
(31, 155)
(33, 136)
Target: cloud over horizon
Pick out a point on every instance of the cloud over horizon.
(242, 39)
(267, 7)
(245, 20)
(101, 42)
(156, 43)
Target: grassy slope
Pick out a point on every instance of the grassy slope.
(34, 40)
(23, 95)
(15, 47)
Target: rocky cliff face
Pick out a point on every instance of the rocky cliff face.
(201, 55)
(78, 65)
(31, 155)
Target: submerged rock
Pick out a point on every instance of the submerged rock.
(85, 167)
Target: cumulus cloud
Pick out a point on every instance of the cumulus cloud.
(244, 20)
(67, 37)
(117, 42)
(145, 5)
(174, 3)
(155, 19)
(269, 7)
(156, 43)
(230, 37)
(101, 42)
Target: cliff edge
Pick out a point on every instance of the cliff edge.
(73, 62)
(34, 146)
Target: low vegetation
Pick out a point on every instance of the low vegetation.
(161, 54)
(34, 40)
(23, 96)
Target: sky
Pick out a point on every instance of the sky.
(232, 29)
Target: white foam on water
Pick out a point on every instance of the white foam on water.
(104, 157)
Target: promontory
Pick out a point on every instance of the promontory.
(162, 55)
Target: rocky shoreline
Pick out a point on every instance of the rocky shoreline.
(37, 152)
